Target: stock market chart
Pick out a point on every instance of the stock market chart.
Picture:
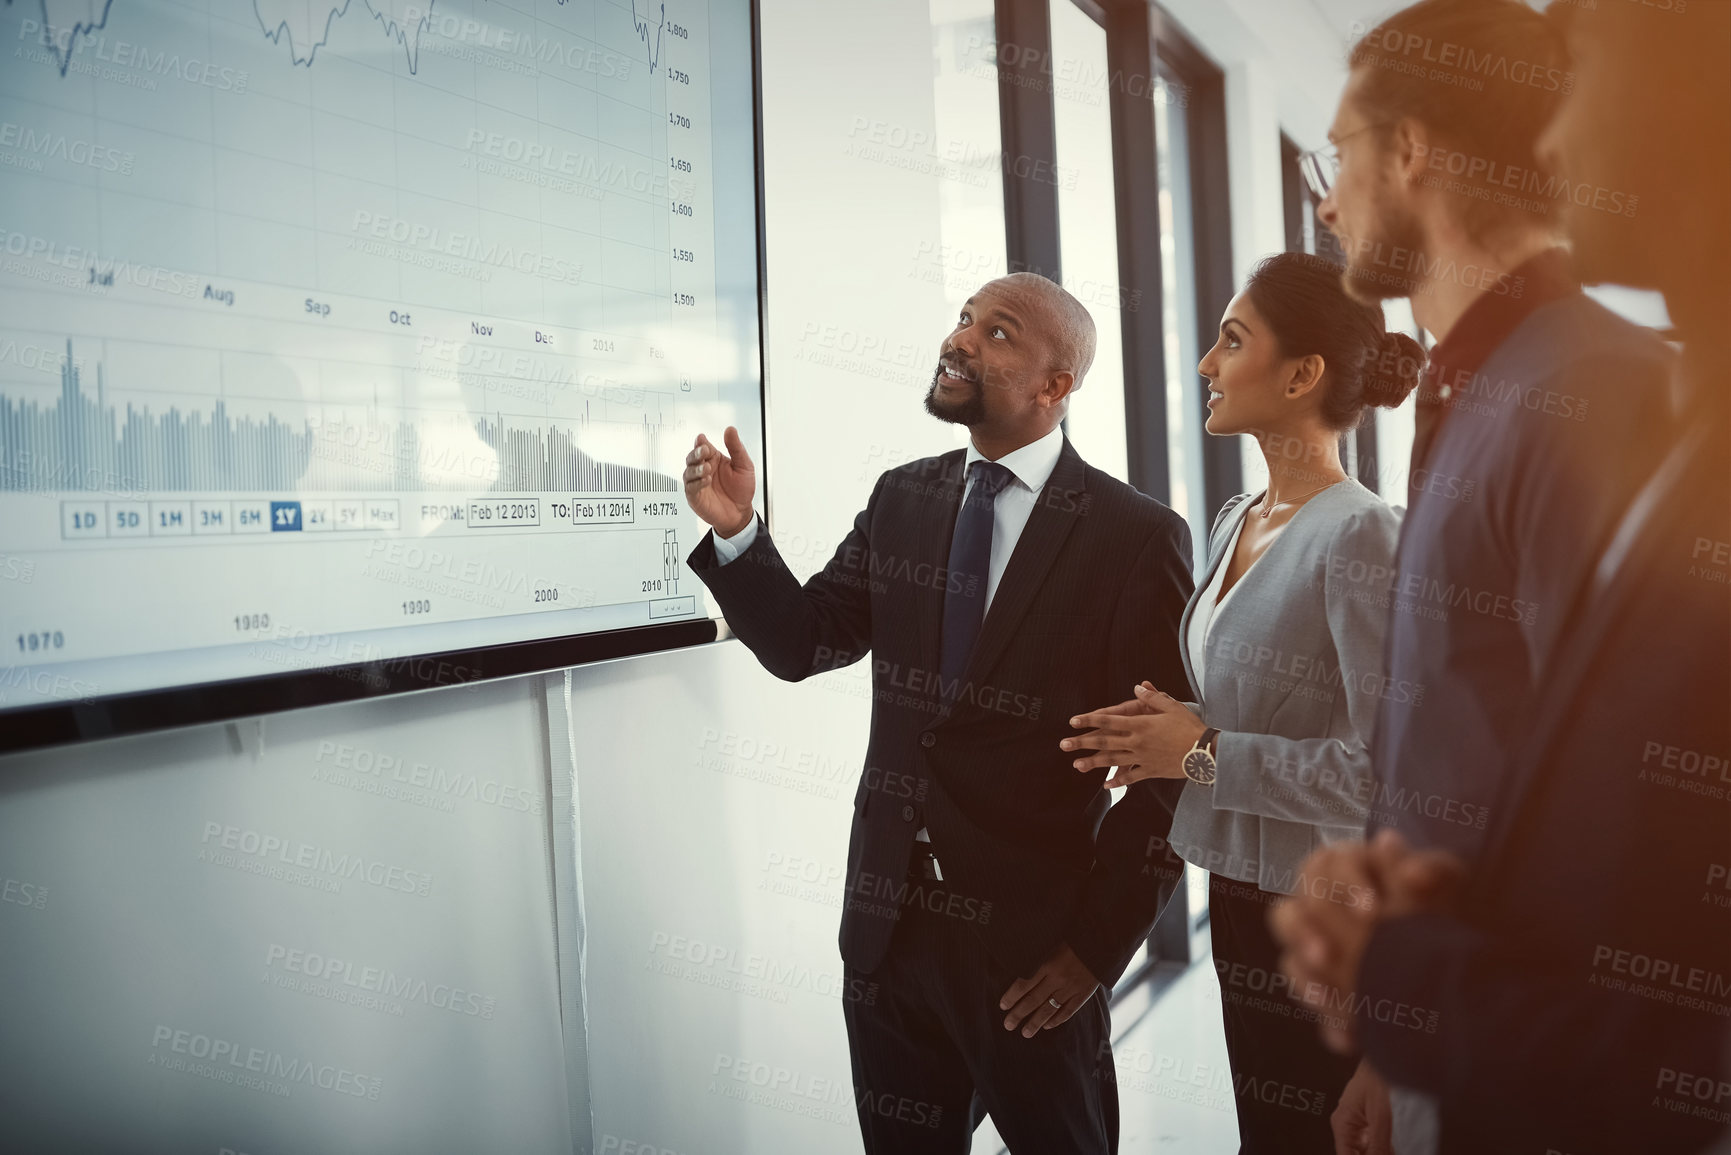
(333, 331)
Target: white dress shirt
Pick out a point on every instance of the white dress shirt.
(1031, 466)
(1208, 606)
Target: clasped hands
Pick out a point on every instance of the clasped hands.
(1145, 737)
(1344, 891)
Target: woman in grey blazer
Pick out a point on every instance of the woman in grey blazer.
(1283, 647)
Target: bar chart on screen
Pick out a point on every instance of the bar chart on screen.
(346, 320)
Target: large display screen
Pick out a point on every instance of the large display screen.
(343, 334)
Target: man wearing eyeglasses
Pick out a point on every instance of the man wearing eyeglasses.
(1538, 416)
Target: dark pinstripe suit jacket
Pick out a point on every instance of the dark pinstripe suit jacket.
(1088, 606)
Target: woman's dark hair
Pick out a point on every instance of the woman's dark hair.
(1301, 298)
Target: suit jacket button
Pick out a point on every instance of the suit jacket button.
(928, 739)
(907, 814)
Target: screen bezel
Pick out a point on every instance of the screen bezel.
(199, 703)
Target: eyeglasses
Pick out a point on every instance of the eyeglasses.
(1321, 166)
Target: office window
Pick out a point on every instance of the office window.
(1379, 451)
(1385, 469)
(1186, 402)
(1088, 228)
(1196, 269)
(966, 151)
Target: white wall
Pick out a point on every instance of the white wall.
(359, 893)
(715, 800)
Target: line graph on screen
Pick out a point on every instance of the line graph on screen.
(302, 27)
(366, 271)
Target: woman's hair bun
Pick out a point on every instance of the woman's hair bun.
(1302, 298)
(1395, 372)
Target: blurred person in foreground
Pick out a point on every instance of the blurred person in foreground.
(1540, 414)
(1579, 966)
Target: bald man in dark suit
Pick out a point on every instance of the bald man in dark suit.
(994, 894)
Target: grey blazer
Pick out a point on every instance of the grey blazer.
(1294, 676)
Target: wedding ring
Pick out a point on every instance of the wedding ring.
(1055, 1004)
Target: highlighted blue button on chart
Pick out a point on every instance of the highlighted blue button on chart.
(285, 517)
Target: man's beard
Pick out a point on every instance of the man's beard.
(1372, 274)
(969, 410)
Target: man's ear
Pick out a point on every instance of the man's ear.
(1412, 148)
(1058, 386)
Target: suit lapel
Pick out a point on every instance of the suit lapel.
(1218, 557)
(1056, 510)
(937, 525)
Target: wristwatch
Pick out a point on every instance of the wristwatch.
(1199, 759)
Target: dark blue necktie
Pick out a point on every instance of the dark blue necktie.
(970, 564)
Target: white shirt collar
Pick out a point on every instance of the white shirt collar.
(1032, 464)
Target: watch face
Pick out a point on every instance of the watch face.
(1199, 767)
